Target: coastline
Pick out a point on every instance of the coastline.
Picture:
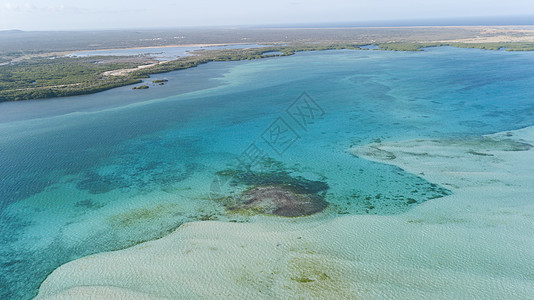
(112, 77)
(474, 243)
(66, 53)
(173, 46)
(503, 37)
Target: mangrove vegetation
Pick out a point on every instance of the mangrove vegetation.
(46, 77)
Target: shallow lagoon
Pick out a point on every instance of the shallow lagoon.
(162, 53)
(101, 172)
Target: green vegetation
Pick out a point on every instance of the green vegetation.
(47, 77)
(68, 76)
(62, 76)
(485, 46)
(205, 56)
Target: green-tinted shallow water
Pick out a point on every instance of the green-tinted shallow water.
(95, 173)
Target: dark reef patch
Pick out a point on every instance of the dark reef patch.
(143, 164)
(275, 191)
(142, 176)
(281, 201)
(88, 204)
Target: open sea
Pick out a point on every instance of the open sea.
(94, 173)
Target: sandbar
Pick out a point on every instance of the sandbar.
(475, 243)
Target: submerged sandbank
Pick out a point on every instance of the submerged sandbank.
(477, 242)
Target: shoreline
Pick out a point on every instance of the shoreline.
(525, 29)
(67, 53)
(113, 77)
(175, 46)
(21, 94)
(474, 243)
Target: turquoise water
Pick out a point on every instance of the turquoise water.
(95, 173)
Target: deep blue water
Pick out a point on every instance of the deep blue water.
(100, 172)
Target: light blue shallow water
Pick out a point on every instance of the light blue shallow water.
(161, 53)
(101, 172)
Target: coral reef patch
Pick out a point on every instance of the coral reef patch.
(273, 191)
(281, 201)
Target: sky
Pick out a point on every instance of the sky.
(112, 14)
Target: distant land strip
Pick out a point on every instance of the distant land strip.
(47, 77)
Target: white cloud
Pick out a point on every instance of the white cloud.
(32, 8)
(10, 7)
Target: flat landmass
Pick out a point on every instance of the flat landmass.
(35, 65)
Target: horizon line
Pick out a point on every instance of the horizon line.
(521, 20)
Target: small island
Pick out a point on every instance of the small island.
(141, 87)
(160, 81)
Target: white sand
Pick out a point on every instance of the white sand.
(498, 34)
(124, 72)
(476, 243)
